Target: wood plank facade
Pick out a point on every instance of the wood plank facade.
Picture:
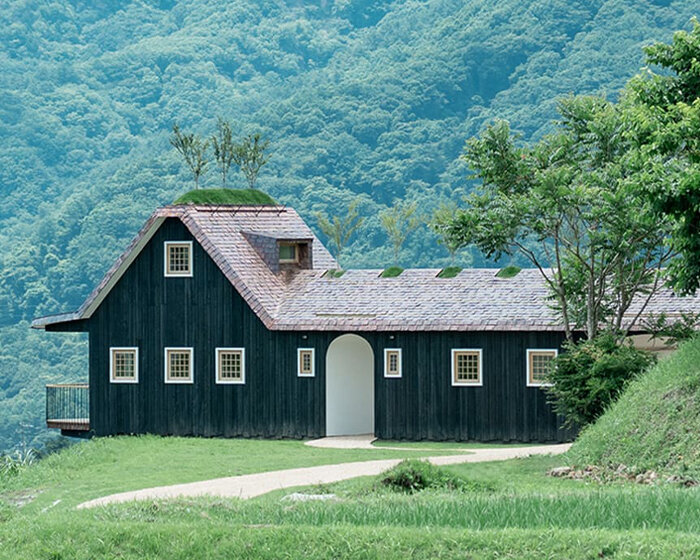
(149, 311)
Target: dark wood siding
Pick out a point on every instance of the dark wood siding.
(147, 310)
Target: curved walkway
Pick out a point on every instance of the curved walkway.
(251, 485)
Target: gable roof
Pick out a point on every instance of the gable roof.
(360, 300)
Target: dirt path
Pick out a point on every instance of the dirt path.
(251, 485)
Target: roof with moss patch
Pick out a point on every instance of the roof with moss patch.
(358, 300)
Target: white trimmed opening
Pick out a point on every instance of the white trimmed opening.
(349, 386)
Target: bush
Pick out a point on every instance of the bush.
(413, 475)
(591, 374)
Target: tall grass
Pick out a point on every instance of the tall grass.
(670, 509)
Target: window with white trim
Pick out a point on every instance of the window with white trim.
(466, 367)
(392, 362)
(305, 362)
(289, 253)
(230, 366)
(178, 258)
(124, 365)
(179, 365)
(539, 363)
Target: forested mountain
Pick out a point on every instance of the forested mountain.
(358, 97)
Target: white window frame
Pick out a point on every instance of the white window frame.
(166, 258)
(219, 380)
(295, 260)
(188, 381)
(387, 374)
(453, 376)
(529, 352)
(112, 350)
(313, 362)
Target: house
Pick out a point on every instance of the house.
(224, 321)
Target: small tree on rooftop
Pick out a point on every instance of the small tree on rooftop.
(224, 148)
(340, 230)
(250, 157)
(399, 221)
(193, 150)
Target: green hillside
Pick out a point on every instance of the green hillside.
(655, 423)
(358, 97)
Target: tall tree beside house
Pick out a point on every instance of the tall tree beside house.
(572, 204)
(224, 148)
(399, 221)
(338, 229)
(250, 157)
(193, 150)
(665, 110)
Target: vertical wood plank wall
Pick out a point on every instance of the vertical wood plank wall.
(147, 310)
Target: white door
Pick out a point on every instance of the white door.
(349, 386)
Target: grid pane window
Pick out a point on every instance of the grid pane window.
(392, 362)
(539, 364)
(179, 364)
(124, 365)
(305, 362)
(230, 365)
(466, 367)
(178, 259)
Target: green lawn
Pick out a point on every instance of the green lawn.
(108, 465)
(513, 510)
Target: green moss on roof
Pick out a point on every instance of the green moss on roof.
(334, 273)
(508, 272)
(391, 272)
(450, 272)
(251, 197)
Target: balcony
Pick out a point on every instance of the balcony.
(68, 408)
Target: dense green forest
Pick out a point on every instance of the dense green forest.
(357, 97)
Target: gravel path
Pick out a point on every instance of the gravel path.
(251, 485)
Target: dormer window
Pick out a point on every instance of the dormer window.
(289, 253)
(178, 258)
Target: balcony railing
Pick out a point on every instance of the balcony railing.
(68, 407)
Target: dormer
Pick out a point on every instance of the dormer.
(282, 252)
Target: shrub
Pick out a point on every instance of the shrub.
(591, 374)
(413, 475)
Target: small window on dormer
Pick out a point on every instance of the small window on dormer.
(178, 258)
(289, 253)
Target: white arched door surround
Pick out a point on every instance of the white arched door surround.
(349, 386)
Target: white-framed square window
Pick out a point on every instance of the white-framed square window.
(177, 261)
(179, 365)
(306, 358)
(124, 364)
(392, 362)
(539, 362)
(467, 367)
(230, 366)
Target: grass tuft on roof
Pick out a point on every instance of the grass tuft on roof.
(508, 272)
(244, 197)
(391, 272)
(449, 272)
(334, 272)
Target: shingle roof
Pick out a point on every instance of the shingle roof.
(360, 300)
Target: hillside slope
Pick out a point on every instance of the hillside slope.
(655, 423)
(358, 97)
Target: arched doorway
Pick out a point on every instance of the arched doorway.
(349, 386)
